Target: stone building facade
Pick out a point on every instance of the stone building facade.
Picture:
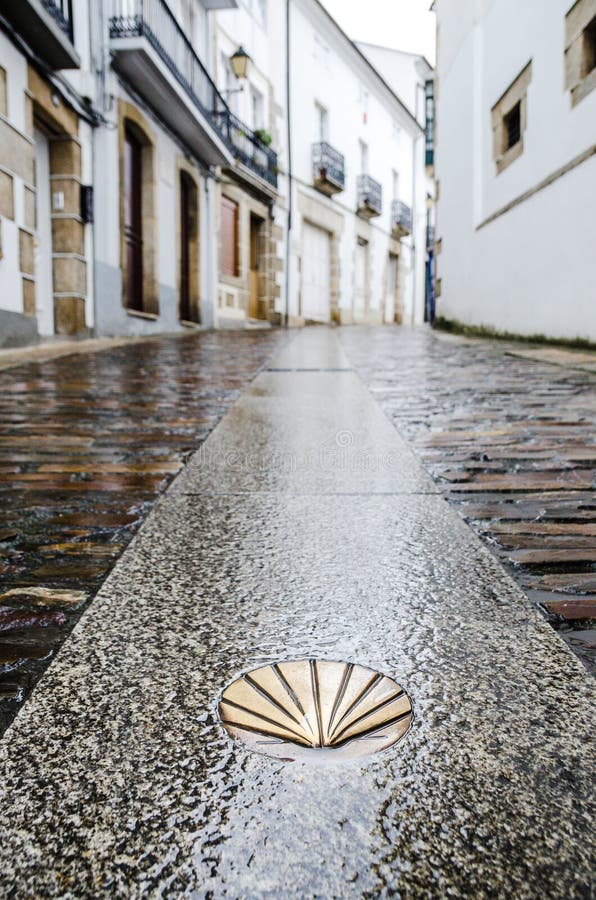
(45, 165)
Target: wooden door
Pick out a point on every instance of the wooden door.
(360, 279)
(229, 237)
(185, 249)
(390, 296)
(253, 273)
(133, 220)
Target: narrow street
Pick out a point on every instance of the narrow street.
(405, 501)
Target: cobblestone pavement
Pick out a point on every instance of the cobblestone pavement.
(304, 528)
(512, 441)
(87, 444)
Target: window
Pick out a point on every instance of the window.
(429, 122)
(580, 50)
(395, 176)
(229, 237)
(322, 121)
(512, 129)
(257, 109)
(589, 49)
(363, 158)
(509, 116)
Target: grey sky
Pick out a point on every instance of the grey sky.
(403, 24)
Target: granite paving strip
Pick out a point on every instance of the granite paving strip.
(510, 438)
(87, 444)
(133, 789)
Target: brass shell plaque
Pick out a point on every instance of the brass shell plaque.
(315, 709)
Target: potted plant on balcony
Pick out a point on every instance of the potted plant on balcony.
(263, 136)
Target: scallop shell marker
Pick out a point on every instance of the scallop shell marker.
(316, 710)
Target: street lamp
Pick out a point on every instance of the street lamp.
(239, 61)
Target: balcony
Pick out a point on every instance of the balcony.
(370, 197)
(430, 237)
(152, 52)
(46, 26)
(401, 219)
(328, 169)
(247, 148)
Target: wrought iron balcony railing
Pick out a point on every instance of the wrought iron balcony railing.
(61, 12)
(247, 147)
(153, 20)
(370, 197)
(328, 168)
(46, 26)
(401, 218)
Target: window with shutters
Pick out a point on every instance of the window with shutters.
(229, 238)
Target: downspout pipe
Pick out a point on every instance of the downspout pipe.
(289, 172)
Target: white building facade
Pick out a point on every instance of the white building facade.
(355, 149)
(146, 188)
(411, 76)
(164, 138)
(516, 166)
(250, 218)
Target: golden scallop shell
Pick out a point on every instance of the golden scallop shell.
(319, 709)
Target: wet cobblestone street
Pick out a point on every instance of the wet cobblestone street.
(511, 440)
(221, 720)
(87, 444)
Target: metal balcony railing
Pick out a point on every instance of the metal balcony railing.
(153, 20)
(430, 237)
(61, 12)
(401, 217)
(370, 195)
(247, 147)
(328, 167)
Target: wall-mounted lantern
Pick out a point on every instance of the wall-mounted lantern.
(239, 61)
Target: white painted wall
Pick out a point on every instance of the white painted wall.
(533, 269)
(111, 317)
(327, 69)
(11, 292)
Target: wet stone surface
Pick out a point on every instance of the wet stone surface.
(512, 443)
(133, 788)
(87, 444)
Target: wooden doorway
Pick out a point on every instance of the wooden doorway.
(256, 238)
(391, 293)
(361, 280)
(133, 219)
(189, 250)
